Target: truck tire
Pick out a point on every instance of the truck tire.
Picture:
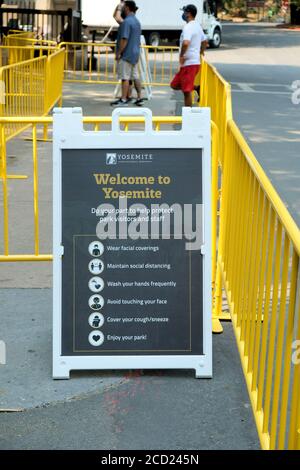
(154, 39)
(216, 40)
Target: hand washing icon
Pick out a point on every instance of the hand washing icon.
(96, 284)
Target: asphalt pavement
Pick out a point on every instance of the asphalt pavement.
(116, 409)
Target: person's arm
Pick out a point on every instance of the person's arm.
(123, 44)
(184, 48)
(204, 45)
(117, 13)
(187, 36)
(125, 33)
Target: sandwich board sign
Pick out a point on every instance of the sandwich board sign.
(132, 245)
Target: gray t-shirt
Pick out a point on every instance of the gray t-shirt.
(131, 30)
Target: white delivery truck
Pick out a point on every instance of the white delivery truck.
(160, 19)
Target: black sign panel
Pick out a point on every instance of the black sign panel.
(129, 296)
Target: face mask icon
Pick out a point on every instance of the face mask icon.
(96, 249)
(96, 266)
(96, 302)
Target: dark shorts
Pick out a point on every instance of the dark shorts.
(184, 80)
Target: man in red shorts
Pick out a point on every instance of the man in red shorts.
(193, 42)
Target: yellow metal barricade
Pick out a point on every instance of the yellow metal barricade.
(27, 39)
(90, 63)
(33, 124)
(163, 63)
(20, 32)
(24, 92)
(19, 36)
(257, 251)
(215, 93)
(95, 63)
(258, 258)
(13, 54)
(54, 80)
(31, 88)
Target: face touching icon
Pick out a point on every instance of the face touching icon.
(96, 249)
(96, 284)
(96, 302)
(96, 266)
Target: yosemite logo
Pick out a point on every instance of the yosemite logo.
(111, 159)
(114, 158)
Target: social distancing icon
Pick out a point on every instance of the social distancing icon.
(96, 266)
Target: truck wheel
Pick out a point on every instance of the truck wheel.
(154, 39)
(216, 40)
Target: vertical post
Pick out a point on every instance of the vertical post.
(35, 191)
(1, 21)
(217, 327)
(45, 132)
(3, 176)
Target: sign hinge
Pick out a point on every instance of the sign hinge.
(203, 250)
(61, 251)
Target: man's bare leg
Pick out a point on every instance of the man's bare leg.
(138, 87)
(129, 90)
(125, 89)
(188, 99)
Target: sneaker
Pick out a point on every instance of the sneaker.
(119, 102)
(139, 102)
(197, 90)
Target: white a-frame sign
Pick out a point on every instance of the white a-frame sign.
(132, 245)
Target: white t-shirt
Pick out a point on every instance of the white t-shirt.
(194, 33)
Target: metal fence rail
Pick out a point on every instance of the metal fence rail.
(24, 93)
(26, 39)
(257, 249)
(20, 35)
(216, 94)
(31, 88)
(32, 125)
(95, 63)
(13, 54)
(54, 80)
(259, 260)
